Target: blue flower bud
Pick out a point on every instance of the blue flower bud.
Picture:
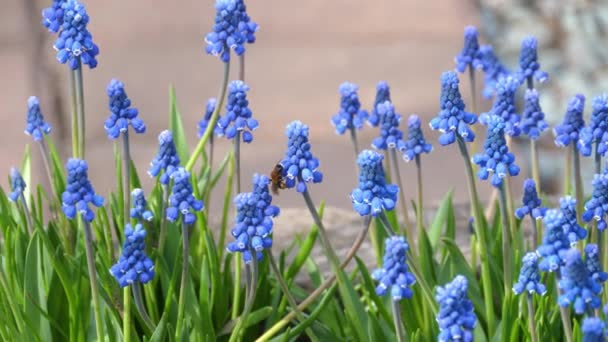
(573, 123)
(17, 185)
(390, 134)
(593, 264)
(415, 144)
(134, 266)
(202, 125)
(532, 205)
(232, 29)
(166, 158)
(528, 61)
(469, 56)
(456, 316)
(79, 192)
(35, 126)
(529, 279)
(394, 275)
(299, 164)
(181, 201)
(578, 287)
(504, 106)
(383, 94)
(121, 114)
(373, 195)
(570, 225)
(238, 115)
(75, 44)
(594, 330)
(555, 242)
(533, 123)
(139, 210)
(597, 131)
(496, 158)
(350, 115)
(493, 70)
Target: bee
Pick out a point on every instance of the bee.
(276, 179)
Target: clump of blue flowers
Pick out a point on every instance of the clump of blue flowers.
(383, 94)
(140, 205)
(529, 279)
(35, 126)
(570, 225)
(134, 266)
(260, 189)
(394, 273)
(390, 134)
(232, 29)
(504, 106)
(568, 131)
(166, 158)
(181, 201)
(528, 61)
(373, 195)
(493, 70)
(469, 56)
(597, 131)
(299, 164)
(79, 192)
(555, 242)
(52, 16)
(121, 113)
(75, 44)
(532, 205)
(578, 286)
(415, 143)
(593, 264)
(533, 122)
(593, 330)
(456, 315)
(238, 115)
(202, 125)
(596, 207)
(350, 115)
(452, 119)
(496, 158)
(17, 185)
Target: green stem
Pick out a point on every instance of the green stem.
(353, 139)
(534, 161)
(535, 228)
(44, 152)
(420, 206)
(209, 174)
(568, 174)
(182, 287)
(126, 323)
(284, 287)
(237, 160)
(506, 240)
(227, 197)
(162, 236)
(598, 160)
(473, 89)
(329, 251)
(399, 330)
(238, 329)
(236, 294)
(564, 313)
(28, 215)
(74, 119)
(88, 244)
(406, 215)
(80, 110)
(386, 224)
(212, 122)
(578, 179)
(139, 304)
(531, 318)
(126, 174)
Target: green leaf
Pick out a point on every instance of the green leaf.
(177, 127)
(440, 220)
(35, 297)
(26, 172)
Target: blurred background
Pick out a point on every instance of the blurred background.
(304, 50)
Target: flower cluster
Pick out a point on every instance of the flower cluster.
(456, 315)
(493, 70)
(529, 279)
(35, 126)
(496, 157)
(299, 165)
(373, 194)
(572, 229)
(532, 205)
(79, 192)
(577, 285)
(533, 122)
(593, 330)
(452, 118)
(202, 125)
(181, 200)
(528, 61)
(75, 44)
(569, 130)
(52, 16)
(415, 143)
(232, 29)
(596, 207)
(350, 115)
(597, 131)
(134, 265)
(139, 210)
(470, 55)
(390, 134)
(121, 113)
(260, 189)
(17, 185)
(593, 264)
(504, 106)
(238, 115)
(555, 242)
(394, 273)
(166, 158)
(383, 94)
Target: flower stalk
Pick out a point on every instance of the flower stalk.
(126, 174)
(404, 208)
(79, 101)
(420, 206)
(399, 330)
(578, 179)
(506, 239)
(532, 323)
(182, 287)
(88, 243)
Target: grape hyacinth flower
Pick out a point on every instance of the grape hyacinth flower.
(415, 143)
(578, 287)
(568, 131)
(529, 279)
(456, 315)
(570, 225)
(493, 70)
(555, 242)
(260, 189)
(383, 94)
(593, 329)
(394, 274)
(597, 131)
(121, 113)
(232, 29)
(238, 115)
(166, 158)
(75, 44)
(533, 122)
(139, 210)
(181, 200)
(350, 115)
(202, 125)
(373, 195)
(390, 134)
(299, 164)
(452, 119)
(52, 16)
(17, 185)
(593, 264)
(597, 206)
(134, 266)
(496, 158)
(79, 192)
(532, 205)
(504, 106)
(469, 56)
(528, 62)
(35, 126)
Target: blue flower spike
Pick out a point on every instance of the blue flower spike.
(415, 144)
(36, 126)
(452, 118)
(533, 122)
(529, 278)
(79, 192)
(75, 44)
(456, 315)
(532, 205)
(350, 116)
(528, 61)
(594, 329)
(232, 30)
(568, 132)
(122, 115)
(496, 158)
(166, 160)
(578, 287)
(139, 210)
(202, 125)
(17, 185)
(596, 207)
(390, 134)
(597, 131)
(555, 242)
(238, 116)
(493, 70)
(504, 106)
(470, 56)
(260, 189)
(383, 94)
(134, 266)
(299, 164)
(52, 16)
(373, 195)
(593, 264)
(394, 275)
(572, 229)
(181, 201)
